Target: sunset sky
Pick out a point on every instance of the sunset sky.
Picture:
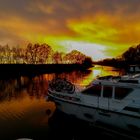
(98, 28)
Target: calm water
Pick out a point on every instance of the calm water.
(24, 112)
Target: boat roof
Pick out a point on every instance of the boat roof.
(125, 80)
(134, 65)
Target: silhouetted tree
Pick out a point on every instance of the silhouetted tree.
(88, 61)
(132, 55)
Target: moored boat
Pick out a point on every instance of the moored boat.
(113, 100)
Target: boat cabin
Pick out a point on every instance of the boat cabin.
(114, 92)
(119, 95)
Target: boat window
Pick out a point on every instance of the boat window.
(129, 81)
(107, 91)
(95, 90)
(121, 92)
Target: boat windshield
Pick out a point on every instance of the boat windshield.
(121, 92)
(94, 90)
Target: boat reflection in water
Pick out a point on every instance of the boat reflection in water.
(25, 113)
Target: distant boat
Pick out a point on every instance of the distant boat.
(112, 100)
(134, 69)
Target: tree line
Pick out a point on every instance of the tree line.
(129, 57)
(40, 54)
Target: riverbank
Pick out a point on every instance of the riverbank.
(15, 70)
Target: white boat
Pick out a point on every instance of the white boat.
(134, 69)
(112, 100)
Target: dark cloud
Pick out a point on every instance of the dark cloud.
(63, 9)
(52, 15)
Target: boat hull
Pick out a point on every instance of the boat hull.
(97, 115)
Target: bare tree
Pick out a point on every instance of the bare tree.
(37, 54)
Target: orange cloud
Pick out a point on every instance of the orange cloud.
(114, 24)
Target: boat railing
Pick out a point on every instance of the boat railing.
(126, 80)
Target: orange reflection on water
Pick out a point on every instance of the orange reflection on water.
(98, 71)
(31, 110)
(24, 98)
(83, 78)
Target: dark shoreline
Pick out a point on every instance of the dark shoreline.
(16, 70)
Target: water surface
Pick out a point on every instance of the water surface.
(25, 113)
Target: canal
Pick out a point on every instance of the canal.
(25, 113)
